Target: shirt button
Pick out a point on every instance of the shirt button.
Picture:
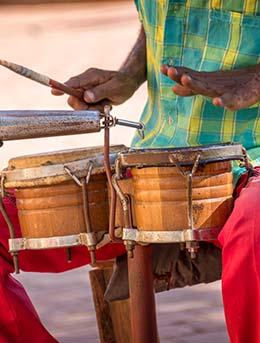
(176, 7)
(170, 120)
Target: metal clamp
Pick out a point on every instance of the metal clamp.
(176, 236)
(247, 163)
(83, 182)
(75, 178)
(126, 206)
(82, 239)
(3, 178)
(192, 247)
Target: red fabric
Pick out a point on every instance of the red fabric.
(19, 322)
(240, 241)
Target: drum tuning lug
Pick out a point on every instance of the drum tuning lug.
(130, 253)
(108, 119)
(193, 254)
(16, 262)
(92, 252)
(192, 248)
(69, 255)
(130, 245)
(182, 246)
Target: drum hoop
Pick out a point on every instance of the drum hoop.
(176, 236)
(61, 156)
(161, 157)
(81, 239)
(37, 176)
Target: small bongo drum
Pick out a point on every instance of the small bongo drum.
(175, 195)
(61, 198)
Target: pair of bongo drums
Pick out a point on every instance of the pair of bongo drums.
(174, 195)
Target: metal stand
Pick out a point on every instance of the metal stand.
(142, 300)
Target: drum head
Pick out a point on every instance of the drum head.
(50, 168)
(183, 156)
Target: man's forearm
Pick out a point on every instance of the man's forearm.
(135, 64)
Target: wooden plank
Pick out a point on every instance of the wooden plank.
(120, 315)
(104, 321)
(113, 319)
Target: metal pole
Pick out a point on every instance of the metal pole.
(142, 300)
(15, 125)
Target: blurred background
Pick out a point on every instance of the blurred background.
(61, 39)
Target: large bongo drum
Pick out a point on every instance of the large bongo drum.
(61, 198)
(175, 195)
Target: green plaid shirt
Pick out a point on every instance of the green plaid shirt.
(202, 35)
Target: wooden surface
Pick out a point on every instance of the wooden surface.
(161, 200)
(113, 319)
(57, 210)
(104, 320)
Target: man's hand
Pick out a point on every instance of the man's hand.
(101, 87)
(234, 90)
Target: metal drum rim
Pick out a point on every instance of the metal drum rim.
(55, 173)
(154, 157)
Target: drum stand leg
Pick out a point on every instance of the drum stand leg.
(142, 299)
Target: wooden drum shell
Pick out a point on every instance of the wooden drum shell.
(57, 210)
(160, 197)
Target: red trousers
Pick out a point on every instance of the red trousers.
(240, 240)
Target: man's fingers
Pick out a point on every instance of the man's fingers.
(84, 80)
(176, 73)
(164, 69)
(76, 104)
(101, 92)
(90, 78)
(228, 101)
(73, 82)
(55, 91)
(235, 101)
(183, 91)
(202, 87)
(173, 74)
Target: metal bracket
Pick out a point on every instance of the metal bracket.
(85, 239)
(83, 182)
(75, 178)
(179, 236)
(192, 247)
(247, 163)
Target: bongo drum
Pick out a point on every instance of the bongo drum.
(175, 195)
(61, 197)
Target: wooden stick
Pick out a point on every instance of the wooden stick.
(42, 79)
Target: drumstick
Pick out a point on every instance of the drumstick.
(42, 79)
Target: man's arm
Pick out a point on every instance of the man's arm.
(135, 64)
(114, 87)
(232, 89)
